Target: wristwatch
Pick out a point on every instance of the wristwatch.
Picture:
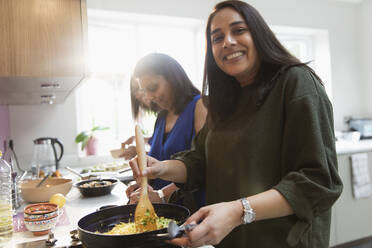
(249, 215)
(161, 195)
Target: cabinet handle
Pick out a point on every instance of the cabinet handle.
(48, 99)
(50, 86)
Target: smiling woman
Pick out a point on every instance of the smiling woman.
(267, 153)
(233, 47)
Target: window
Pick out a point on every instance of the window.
(299, 46)
(118, 40)
(309, 45)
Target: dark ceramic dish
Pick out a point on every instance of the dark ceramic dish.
(96, 191)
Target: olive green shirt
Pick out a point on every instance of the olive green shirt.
(287, 144)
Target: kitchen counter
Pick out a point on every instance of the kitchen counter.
(76, 207)
(347, 147)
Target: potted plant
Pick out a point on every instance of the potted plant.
(88, 141)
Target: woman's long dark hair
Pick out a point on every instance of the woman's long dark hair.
(183, 90)
(222, 89)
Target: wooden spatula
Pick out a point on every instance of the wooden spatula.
(144, 216)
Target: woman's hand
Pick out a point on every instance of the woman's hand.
(217, 221)
(154, 168)
(170, 170)
(132, 186)
(135, 195)
(127, 142)
(129, 152)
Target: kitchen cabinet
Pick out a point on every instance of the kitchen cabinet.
(43, 49)
(351, 218)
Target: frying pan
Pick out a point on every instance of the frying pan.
(96, 191)
(104, 220)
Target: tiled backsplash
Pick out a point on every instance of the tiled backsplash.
(4, 125)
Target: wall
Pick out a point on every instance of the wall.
(4, 125)
(35, 121)
(341, 21)
(366, 54)
(184, 8)
(340, 18)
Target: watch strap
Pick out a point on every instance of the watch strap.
(161, 195)
(248, 214)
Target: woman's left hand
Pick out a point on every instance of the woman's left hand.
(153, 195)
(132, 186)
(217, 221)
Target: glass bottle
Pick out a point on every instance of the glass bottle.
(6, 214)
(11, 157)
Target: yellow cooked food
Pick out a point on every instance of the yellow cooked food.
(130, 227)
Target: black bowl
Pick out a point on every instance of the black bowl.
(96, 191)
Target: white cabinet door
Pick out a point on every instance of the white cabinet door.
(352, 218)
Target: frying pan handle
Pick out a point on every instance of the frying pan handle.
(178, 231)
(161, 236)
(188, 227)
(106, 206)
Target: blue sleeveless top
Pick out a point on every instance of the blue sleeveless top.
(177, 140)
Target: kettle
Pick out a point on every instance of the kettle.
(45, 156)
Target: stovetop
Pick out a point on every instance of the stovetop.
(51, 242)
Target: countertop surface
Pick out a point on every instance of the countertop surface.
(348, 147)
(76, 207)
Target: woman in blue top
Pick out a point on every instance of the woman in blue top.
(164, 82)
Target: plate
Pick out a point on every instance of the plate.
(106, 167)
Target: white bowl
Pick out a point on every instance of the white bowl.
(50, 187)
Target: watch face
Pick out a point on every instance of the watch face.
(248, 217)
